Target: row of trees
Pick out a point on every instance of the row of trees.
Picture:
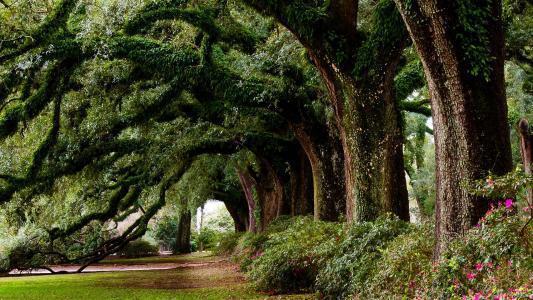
(109, 108)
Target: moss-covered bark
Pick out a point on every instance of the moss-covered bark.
(183, 234)
(460, 44)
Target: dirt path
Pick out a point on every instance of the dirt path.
(165, 262)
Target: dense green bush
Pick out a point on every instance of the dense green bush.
(403, 264)
(249, 247)
(355, 259)
(20, 256)
(206, 238)
(228, 243)
(165, 230)
(28, 249)
(138, 248)
(289, 260)
(392, 259)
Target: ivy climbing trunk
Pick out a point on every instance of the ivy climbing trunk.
(183, 235)
(325, 156)
(461, 48)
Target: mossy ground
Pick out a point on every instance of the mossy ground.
(201, 276)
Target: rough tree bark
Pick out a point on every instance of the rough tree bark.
(325, 156)
(248, 185)
(467, 99)
(264, 194)
(301, 185)
(183, 236)
(270, 193)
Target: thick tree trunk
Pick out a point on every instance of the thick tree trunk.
(239, 213)
(325, 156)
(372, 142)
(468, 103)
(264, 193)
(248, 185)
(270, 193)
(301, 185)
(183, 236)
(526, 152)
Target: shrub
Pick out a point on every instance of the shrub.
(228, 243)
(207, 237)
(392, 259)
(249, 247)
(289, 261)
(139, 248)
(495, 259)
(405, 261)
(21, 257)
(165, 230)
(354, 260)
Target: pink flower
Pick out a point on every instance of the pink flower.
(479, 266)
(490, 264)
(477, 296)
(509, 203)
(471, 276)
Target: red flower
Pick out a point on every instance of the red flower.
(479, 266)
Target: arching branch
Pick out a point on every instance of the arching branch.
(48, 28)
(418, 107)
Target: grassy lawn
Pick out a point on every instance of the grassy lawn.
(216, 280)
(112, 285)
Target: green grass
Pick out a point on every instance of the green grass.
(104, 286)
(214, 281)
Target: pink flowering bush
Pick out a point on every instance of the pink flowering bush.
(391, 259)
(493, 261)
